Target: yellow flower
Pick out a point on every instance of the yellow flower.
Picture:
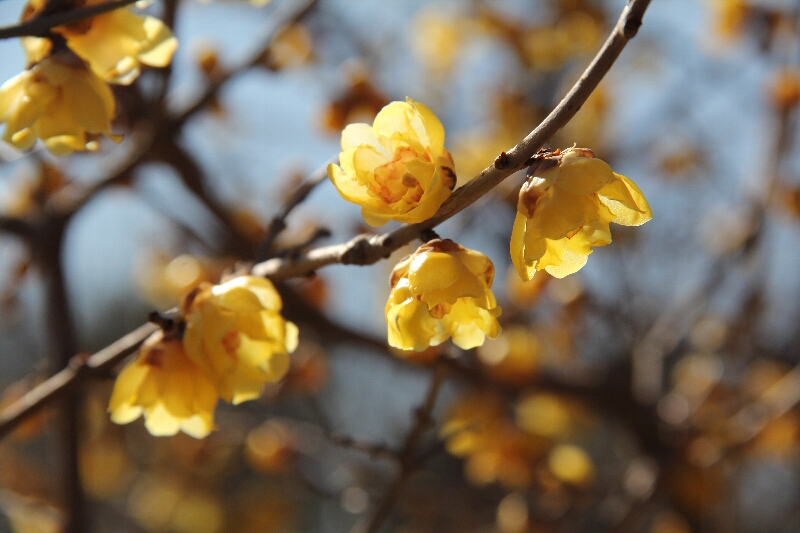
(59, 102)
(439, 291)
(398, 168)
(115, 44)
(565, 210)
(236, 334)
(170, 391)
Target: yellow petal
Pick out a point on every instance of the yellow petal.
(391, 120)
(159, 45)
(355, 135)
(584, 175)
(626, 201)
(428, 128)
(347, 185)
(518, 236)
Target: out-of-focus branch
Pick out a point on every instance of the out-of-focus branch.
(79, 368)
(278, 222)
(286, 13)
(41, 26)
(15, 226)
(409, 462)
(365, 250)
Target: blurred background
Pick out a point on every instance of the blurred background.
(654, 391)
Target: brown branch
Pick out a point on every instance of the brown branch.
(278, 222)
(78, 369)
(409, 462)
(366, 250)
(41, 26)
(285, 14)
(16, 226)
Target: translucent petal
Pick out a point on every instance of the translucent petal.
(358, 134)
(583, 175)
(374, 218)
(391, 120)
(428, 128)
(570, 263)
(10, 93)
(626, 201)
(159, 44)
(160, 423)
(518, 237)
(198, 426)
(292, 336)
(347, 185)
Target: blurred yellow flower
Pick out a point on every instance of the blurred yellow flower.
(398, 168)
(115, 44)
(236, 334)
(439, 291)
(565, 209)
(59, 102)
(170, 391)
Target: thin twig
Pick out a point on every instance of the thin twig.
(41, 26)
(409, 462)
(286, 13)
(366, 250)
(42, 394)
(16, 226)
(278, 222)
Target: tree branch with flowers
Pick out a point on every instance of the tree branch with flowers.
(238, 331)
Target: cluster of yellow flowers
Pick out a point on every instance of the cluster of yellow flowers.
(63, 98)
(235, 341)
(398, 169)
(536, 445)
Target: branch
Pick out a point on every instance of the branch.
(366, 250)
(278, 222)
(15, 226)
(78, 369)
(285, 14)
(41, 26)
(409, 461)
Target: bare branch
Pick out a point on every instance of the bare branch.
(409, 462)
(365, 250)
(278, 222)
(15, 226)
(77, 369)
(284, 15)
(41, 26)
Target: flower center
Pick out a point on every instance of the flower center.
(439, 310)
(393, 181)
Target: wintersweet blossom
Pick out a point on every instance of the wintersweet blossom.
(442, 290)
(565, 208)
(237, 336)
(167, 388)
(117, 43)
(58, 101)
(398, 168)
